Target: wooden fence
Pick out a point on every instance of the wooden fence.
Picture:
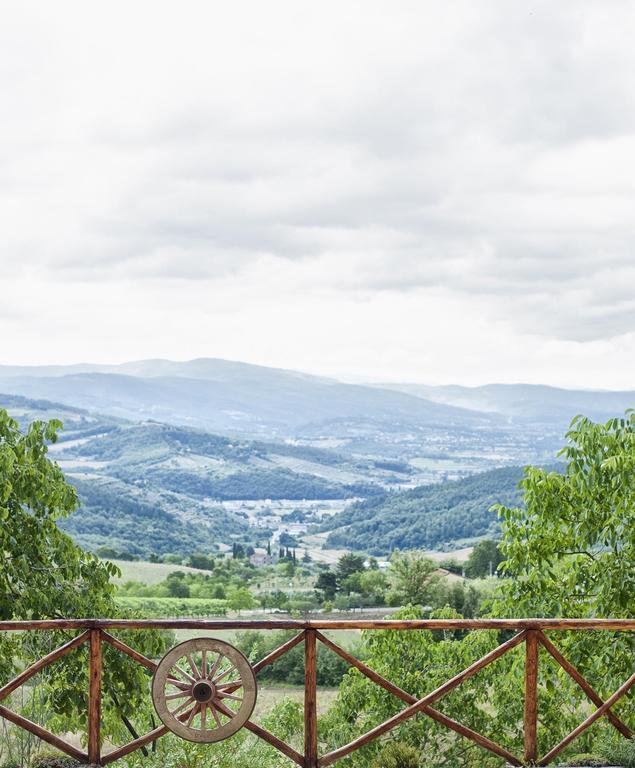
(530, 632)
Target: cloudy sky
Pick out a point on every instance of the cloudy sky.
(415, 191)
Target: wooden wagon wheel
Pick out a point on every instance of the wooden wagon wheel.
(204, 690)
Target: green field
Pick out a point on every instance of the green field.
(268, 697)
(148, 573)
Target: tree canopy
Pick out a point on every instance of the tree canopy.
(44, 574)
(571, 549)
(413, 577)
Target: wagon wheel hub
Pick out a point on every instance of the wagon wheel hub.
(203, 691)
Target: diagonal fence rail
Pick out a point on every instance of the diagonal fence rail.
(528, 632)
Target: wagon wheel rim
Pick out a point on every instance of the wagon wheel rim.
(204, 690)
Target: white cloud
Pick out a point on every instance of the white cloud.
(415, 190)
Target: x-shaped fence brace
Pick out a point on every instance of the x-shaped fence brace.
(533, 638)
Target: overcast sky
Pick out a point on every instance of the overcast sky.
(415, 191)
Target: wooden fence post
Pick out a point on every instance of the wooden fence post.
(531, 697)
(310, 700)
(94, 697)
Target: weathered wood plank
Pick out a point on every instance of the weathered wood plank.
(278, 652)
(120, 646)
(262, 733)
(94, 697)
(531, 697)
(273, 656)
(310, 700)
(131, 746)
(589, 721)
(430, 624)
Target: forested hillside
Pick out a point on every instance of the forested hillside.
(143, 522)
(428, 516)
(150, 488)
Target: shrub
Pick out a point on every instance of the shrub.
(53, 760)
(586, 760)
(397, 754)
(618, 751)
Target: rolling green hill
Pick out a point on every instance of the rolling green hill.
(426, 517)
(206, 466)
(154, 488)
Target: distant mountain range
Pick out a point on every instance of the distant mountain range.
(475, 427)
(526, 403)
(225, 396)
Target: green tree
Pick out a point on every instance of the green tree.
(571, 549)
(43, 574)
(396, 754)
(176, 585)
(484, 559)
(199, 560)
(413, 577)
(279, 599)
(240, 599)
(327, 583)
(373, 584)
(351, 583)
(349, 564)
(238, 551)
(570, 552)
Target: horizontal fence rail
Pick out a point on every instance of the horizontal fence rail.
(529, 632)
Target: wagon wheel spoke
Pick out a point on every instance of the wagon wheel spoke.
(193, 713)
(182, 706)
(225, 710)
(193, 666)
(180, 695)
(204, 663)
(215, 715)
(183, 673)
(178, 684)
(203, 716)
(215, 666)
(229, 696)
(233, 686)
(225, 673)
